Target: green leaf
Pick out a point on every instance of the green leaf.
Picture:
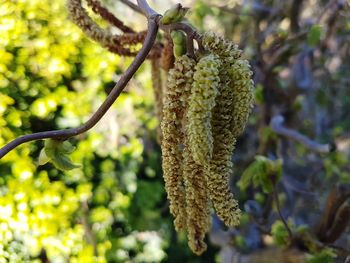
(63, 162)
(325, 256)
(174, 14)
(279, 233)
(43, 158)
(262, 172)
(66, 147)
(314, 35)
(248, 175)
(57, 152)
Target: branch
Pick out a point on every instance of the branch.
(146, 9)
(277, 126)
(131, 5)
(295, 15)
(153, 21)
(278, 207)
(118, 88)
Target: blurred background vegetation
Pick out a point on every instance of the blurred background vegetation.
(114, 208)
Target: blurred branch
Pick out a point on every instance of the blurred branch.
(108, 16)
(335, 217)
(278, 207)
(295, 15)
(146, 9)
(277, 126)
(132, 6)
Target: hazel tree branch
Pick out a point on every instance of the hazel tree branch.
(114, 94)
(277, 126)
(146, 9)
(130, 4)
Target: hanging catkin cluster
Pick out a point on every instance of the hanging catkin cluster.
(206, 106)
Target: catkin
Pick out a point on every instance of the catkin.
(206, 107)
(239, 74)
(178, 85)
(201, 102)
(243, 95)
(219, 167)
(197, 198)
(113, 43)
(158, 93)
(229, 119)
(197, 203)
(167, 58)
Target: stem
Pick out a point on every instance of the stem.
(146, 9)
(118, 88)
(191, 35)
(275, 195)
(131, 5)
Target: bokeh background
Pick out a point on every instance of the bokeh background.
(114, 208)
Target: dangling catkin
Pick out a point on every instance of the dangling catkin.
(167, 57)
(114, 43)
(202, 100)
(158, 94)
(197, 203)
(230, 115)
(178, 84)
(243, 96)
(197, 198)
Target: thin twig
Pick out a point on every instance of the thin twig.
(191, 34)
(132, 6)
(98, 8)
(118, 88)
(278, 207)
(277, 126)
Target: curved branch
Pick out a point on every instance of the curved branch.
(191, 35)
(118, 88)
(277, 126)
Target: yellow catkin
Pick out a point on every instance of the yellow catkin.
(197, 203)
(178, 85)
(79, 15)
(197, 197)
(158, 94)
(201, 102)
(243, 94)
(230, 115)
(219, 168)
